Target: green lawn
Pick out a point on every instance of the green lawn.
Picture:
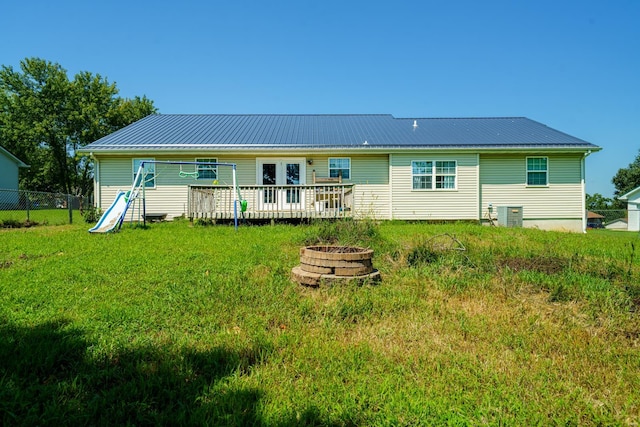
(38, 216)
(189, 325)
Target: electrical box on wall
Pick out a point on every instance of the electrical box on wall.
(510, 216)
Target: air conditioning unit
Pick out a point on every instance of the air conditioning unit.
(510, 216)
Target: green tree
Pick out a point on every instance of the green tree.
(45, 118)
(627, 178)
(597, 202)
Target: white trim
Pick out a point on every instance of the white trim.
(434, 176)
(206, 160)
(135, 170)
(526, 171)
(390, 172)
(282, 161)
(338, 158)
(583, 193)
(97, 184)
(281, 175)
(479, 184)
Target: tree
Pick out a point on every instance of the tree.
(627, 178)
(45, 118)
(597, 202)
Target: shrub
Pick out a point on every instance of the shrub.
(343, 231)
(14, 223)
(91, 215)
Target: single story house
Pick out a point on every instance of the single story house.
(301, 166)
(9, 165)
(594, 220)
(617, 224)
(633, 209)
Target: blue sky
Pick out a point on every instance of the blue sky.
(573, 65)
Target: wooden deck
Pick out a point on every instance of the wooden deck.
(272, 201)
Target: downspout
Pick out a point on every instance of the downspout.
(479, 184)
(390, 189)
(97, 199)
(584, 193)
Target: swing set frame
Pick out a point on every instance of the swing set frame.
(139, 181)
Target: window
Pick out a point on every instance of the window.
(207, 171)
(429, 175)
(422, 175)
(446, 174)
(537, 171)
(149, 175)
(338, 165)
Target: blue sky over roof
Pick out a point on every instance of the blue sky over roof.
(573, 64)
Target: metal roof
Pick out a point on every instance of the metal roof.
(223, 131)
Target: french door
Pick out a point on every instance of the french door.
(282, 179)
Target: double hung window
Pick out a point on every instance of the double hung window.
(339, 165)
(537, 171)
(434, 175)
(148, 175)
(207, 171)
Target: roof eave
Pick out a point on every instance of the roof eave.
(16, 160)
(167, 148)
(625, 197)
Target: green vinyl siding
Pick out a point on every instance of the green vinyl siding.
(459, 203)
(8, 173)
(503, 180)
(370, 174)
(170, 193)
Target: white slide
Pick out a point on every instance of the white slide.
(113, 217)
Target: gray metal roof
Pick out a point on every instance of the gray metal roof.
(222, 131)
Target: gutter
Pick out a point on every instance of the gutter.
(268, 148)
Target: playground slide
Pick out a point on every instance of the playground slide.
(113, 216)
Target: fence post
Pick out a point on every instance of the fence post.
(28, 203)
(70, 208)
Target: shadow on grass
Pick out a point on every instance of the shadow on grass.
(47, 379)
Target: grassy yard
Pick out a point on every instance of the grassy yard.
(189, 325)
(17, 218)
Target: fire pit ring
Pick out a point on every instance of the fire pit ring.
(330, 264)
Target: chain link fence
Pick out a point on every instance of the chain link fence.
(607, 218)
(20, 208)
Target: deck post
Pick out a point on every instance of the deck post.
(235, 199)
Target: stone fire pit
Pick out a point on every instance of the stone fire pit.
(326, 264)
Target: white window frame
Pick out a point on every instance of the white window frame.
(202, 168)
(135, 163)
(545, 171)
(433, 171)
(428, 173)
(348, 169)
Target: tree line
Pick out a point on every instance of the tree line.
(45, 117)
(625, 180)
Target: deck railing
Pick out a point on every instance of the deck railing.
(272, 201)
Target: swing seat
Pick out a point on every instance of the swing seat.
(155, 217)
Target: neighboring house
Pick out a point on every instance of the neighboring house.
(594, 220)
(617, 224)
(9, 165)
(351, 165)
(633, 208)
